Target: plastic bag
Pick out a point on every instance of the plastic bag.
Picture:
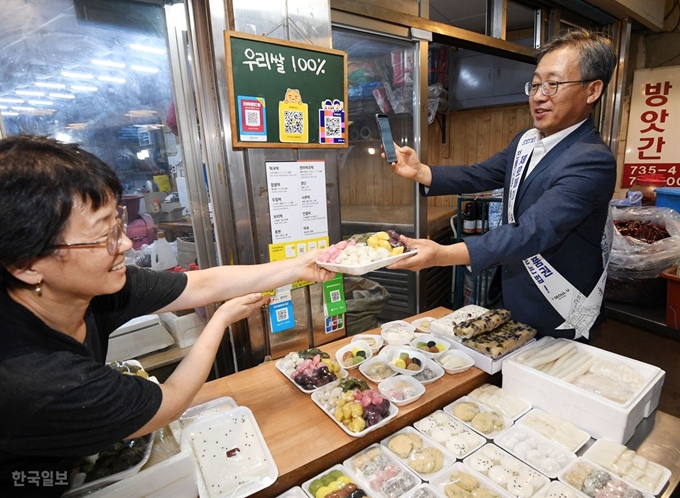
(635, 267)
(365, 299)
(645, 260)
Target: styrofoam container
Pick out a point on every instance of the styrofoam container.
(599, 416)
(535, 450)
(446, 325)
(365, 474)
(447, 458)
(452, 434)
(348, 348)
(507, 422)
(184, 329)
(397, 388)
(441, 479)
(506, 471)
(374, 340)
(565, 477)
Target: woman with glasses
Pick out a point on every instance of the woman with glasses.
(64, 287)
(558, 179)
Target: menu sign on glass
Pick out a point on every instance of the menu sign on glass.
(652, 145)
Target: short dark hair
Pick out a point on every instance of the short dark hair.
(39, 179)
(597, 57)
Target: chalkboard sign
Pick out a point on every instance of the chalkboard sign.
(285, 94)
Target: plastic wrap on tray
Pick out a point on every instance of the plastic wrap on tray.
(501, 341)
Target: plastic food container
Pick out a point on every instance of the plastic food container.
(506, 471)
(421, 343)
(469, 478)
(423, 324)
(205, 410)
(455, 361)
(376, 369)
(472, 423)
(401, 389)
(421, 455)
(586, 477)
(353, 351)
(369, 468)
(432, 371)
(394, 356)
(452, 434)
(535, 450)
(373, 340)
(335, 478)
(397, 333)
(250, 467)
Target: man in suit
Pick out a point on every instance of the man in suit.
(558, 179)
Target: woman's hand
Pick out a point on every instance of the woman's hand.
(309, 270)
(239, 308)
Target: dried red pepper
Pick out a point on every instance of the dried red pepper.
(644, 231)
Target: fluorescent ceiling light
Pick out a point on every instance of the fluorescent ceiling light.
(144, 69)
(22, 108)
(30, 93)
(62, 137)
(98, 62)
(144, 154)
(151, 50)
(44, 84)
(76, 126)
(11, 100)
(3, 107)
(62, 96)
(83, 88)
(40, 102)
(140, 113)
(111, 79)
(9, 113)
(78, 76)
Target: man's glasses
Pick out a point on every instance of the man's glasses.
(549, 88)
(113, 238)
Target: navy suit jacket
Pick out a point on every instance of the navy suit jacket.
(560, 212)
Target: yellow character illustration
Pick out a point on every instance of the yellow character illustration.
(293, 118)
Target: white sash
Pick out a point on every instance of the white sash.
(578, 311)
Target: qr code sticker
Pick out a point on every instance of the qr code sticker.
(335, 296)
(293, 122)
(252, 118)
(333, 129)
(282, 315)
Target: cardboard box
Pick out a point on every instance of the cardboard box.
(184, 329)
(599, 416)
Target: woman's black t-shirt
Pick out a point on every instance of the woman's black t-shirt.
(60, 402)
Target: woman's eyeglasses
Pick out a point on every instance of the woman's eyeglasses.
(113, 238)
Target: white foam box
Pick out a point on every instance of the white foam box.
(184, 329)
(600, 417)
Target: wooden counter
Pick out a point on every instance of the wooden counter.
(303, 440)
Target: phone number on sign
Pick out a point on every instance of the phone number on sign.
(670, 170)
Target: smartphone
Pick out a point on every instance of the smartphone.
(386, 137)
